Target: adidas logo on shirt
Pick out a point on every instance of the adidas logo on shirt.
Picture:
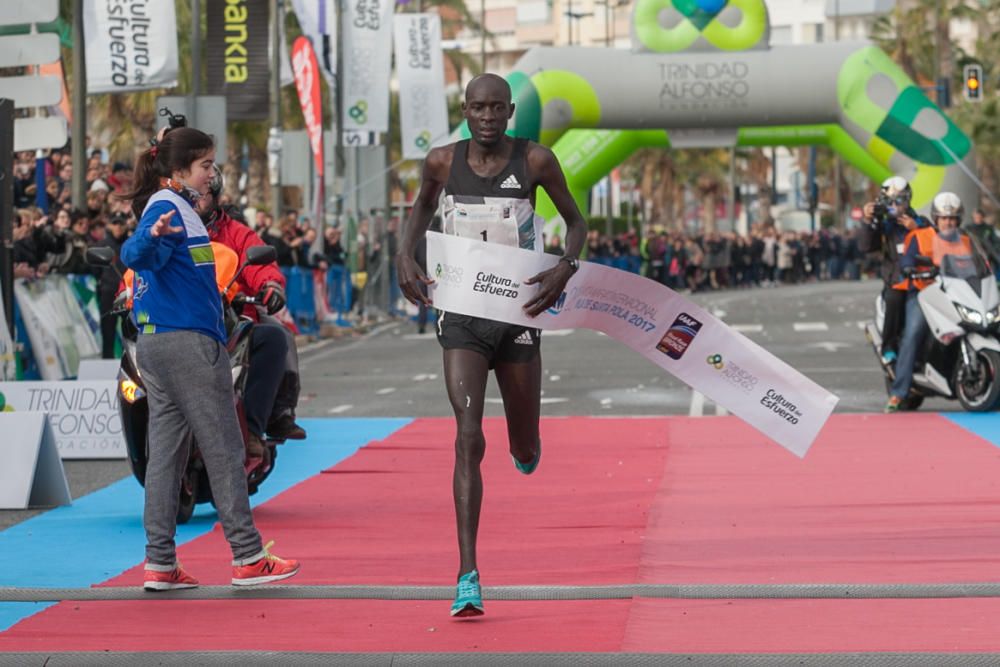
(524, 338)
(510, 183)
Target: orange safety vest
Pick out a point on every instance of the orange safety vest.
(961, 247)
(227, 262)
(924, 237)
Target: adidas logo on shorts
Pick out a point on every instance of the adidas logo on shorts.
(510, 183)
(524, 338)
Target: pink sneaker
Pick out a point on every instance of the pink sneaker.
(167, 579)
(269, 568)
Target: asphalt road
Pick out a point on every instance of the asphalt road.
(395, 372)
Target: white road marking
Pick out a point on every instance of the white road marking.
(546, 400)
(420, 377)
(558, 332)
(862, 324)
(554, 378)
(385, 390)
(697, 408)
(417, 336)
(697, 404)
(810, 326)
(340, 408)
(747, 328)
(829, 346)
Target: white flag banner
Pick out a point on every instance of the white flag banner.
(318, 19)
(131, 45)
(423, 111)
(487, 280)
(367, 33)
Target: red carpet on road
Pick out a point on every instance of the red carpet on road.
(884, 499)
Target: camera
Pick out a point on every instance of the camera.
(887, 207)
(174, 120)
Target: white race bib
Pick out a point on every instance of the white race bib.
(493, 223)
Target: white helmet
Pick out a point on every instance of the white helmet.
(896, 188)
(947, 205)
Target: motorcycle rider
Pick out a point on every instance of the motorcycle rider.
(921, 245)
(272, 389)
(887, 221)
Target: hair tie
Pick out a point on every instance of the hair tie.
(154, 151)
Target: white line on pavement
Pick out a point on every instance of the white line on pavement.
(546, 400)
(697, 404)
(385, 390)
(810, 326)
(340, 408)
(747, 328)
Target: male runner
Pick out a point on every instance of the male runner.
(489, 185)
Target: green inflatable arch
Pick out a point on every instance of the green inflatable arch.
(702, 74)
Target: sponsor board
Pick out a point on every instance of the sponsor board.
(83, 415)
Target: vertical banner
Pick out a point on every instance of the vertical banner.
(423, 111)
(236, 53)
(318, 19)
(367, 32)
(306, 71)
(131, 45)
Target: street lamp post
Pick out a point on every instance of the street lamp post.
(482, 34)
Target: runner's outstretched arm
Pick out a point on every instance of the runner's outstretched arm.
(432, 181)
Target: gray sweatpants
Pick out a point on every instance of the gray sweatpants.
(190, 393)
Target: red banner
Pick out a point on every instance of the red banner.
(306, 70)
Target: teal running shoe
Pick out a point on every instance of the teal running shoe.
(469, 599)
(528, 468)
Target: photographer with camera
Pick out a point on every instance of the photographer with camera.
(887, 221)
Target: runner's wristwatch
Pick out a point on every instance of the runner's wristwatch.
(573, 262)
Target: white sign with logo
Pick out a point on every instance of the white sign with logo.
(367, 33)
(131, 45)
(487, 280)
(423, 110)
(83, 415)
(32, 474)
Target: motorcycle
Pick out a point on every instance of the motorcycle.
(960, 359)
(133, 405)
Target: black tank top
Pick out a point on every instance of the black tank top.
(495, 209)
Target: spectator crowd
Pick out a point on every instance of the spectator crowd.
(50, 235)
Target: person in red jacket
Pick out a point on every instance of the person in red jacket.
(272, 390)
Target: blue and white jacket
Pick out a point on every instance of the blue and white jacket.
(175, 287)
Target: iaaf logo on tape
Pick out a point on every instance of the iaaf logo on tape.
(679, 336)
(446, 273)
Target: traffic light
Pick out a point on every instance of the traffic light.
(973, 75)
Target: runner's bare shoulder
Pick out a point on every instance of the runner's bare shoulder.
(541, 160)
(438, 162)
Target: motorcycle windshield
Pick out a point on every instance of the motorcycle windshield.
(961, 258)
